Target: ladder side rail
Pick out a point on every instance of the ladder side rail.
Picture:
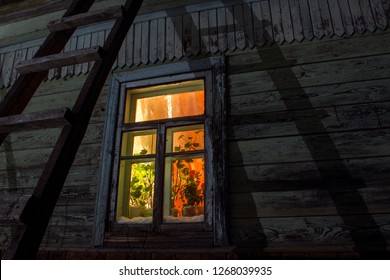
(21, 92)
(40, 207)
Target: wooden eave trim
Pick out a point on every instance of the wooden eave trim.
(212, 28)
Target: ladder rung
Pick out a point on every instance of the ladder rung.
(85, 18)
(33, 121)
(58, 60)
(11, 207)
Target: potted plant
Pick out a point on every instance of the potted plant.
(192, 193)
(141, 188)
(187, 183)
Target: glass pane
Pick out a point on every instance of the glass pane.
(184, 139)
(138, 143)
(184, 190)
(165, 102)
(135, 192)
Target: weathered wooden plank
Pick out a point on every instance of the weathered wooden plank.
(333, 119)
(296, 20)
(337, 21)
(73, 214)
(368, 172)
(306, 20)
(26, 9)
(357, 16)
(346, 17)
(24, 159)
(122, 56)
(64, 70)
(145, 43)
(248, 25)
(316, 18)
(87, 43)
(267, 22)
(324, 73)
(304, 230)
(65, 99)
(287, 21)
(34, 121)
(79, 236)
(286, 149)
(130, 46)
(187, 33)
(8, 64)
(369, 20)
(258, 24)
(20, 56)
(137, 43)
(204, 32)
(239, 26)
(277, 24)
(80, 46)
(170, 38)
(213, 31)
(153, 41)
(326, 18)
(231, 36)
(310, 202)
(85, 18)
(195, 34)
(51, 74)
(81, 180)
(59, 60)
(379, 14)
(72, 47)
(178, 26)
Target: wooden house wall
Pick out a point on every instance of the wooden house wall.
(308, 123)
(308, 145)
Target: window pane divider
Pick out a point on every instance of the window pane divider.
(167, 122)
(159, 178)
(186, 153)
(140, 157)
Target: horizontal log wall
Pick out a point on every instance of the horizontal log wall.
(309, 149)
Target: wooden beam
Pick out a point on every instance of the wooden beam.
(86, 18)
(39, 120)
(58, 60)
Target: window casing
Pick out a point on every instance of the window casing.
(171, 146)
(162, 131)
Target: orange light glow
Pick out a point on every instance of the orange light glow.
(187, 174)
(169, 106)
(165, 101)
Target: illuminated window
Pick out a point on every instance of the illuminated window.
(175, 139)
(163, 157)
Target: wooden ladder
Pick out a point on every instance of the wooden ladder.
(30, 215)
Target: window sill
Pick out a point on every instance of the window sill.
(166, 239)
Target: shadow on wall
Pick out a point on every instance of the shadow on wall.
(368, 240)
